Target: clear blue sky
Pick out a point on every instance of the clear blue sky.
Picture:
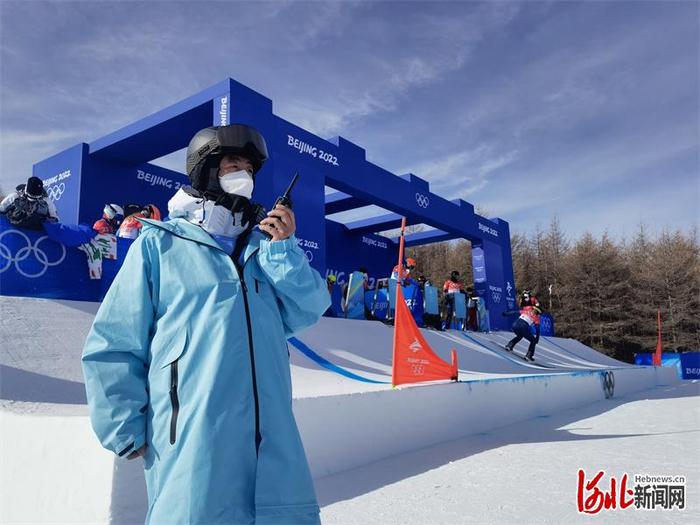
(584, 110)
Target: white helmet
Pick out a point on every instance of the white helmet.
(113, 210)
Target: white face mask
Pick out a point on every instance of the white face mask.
(237, 183)
(217, 220)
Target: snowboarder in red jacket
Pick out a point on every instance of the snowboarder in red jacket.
(527, 326)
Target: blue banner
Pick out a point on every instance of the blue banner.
(460, 305)
(377, 302)
(671, 359)
(392, 294)
(690, 365)
(431, 300)
(69, 235)
(413, 296)
(547, 325)
(336, 307)
(483, 314)
(478, 264)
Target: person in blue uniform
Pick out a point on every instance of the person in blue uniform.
(187, 364)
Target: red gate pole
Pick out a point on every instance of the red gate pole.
(657, 354)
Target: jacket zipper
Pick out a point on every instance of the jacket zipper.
(173, 392)
(244, 287)
(127, 449)
(174, 401)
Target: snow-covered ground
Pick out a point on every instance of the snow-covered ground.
(530, 427)
(527, 472)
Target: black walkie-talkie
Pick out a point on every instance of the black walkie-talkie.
(284, 199)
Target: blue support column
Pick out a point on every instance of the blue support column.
(493, 273)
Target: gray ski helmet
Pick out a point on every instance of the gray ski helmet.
(207, 146)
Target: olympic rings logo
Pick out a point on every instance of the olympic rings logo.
(608, 379)
(55, 192)
(7, 259)
(496, 297)
(422, 200)
(309, 255)
(417, 370)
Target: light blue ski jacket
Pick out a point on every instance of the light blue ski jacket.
(188, 357)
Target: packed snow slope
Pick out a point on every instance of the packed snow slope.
(54, 469)
(43, 340)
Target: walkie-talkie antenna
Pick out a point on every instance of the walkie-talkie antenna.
(291, 185)
(285, 199)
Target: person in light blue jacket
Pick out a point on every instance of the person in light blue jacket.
(187, 364)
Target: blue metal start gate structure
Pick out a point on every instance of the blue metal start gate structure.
(117, 168)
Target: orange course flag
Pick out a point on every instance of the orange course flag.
(657, 355)
(413, 359)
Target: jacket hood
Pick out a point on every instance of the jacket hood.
(182, 228)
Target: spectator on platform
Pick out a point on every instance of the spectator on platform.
(29, 206)
(151, 211)
(131, 226)
(451, 287)
(331, 280)
(408, 266)
(112, 217)
(331, 283)
(132, 208)
(527, 326)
